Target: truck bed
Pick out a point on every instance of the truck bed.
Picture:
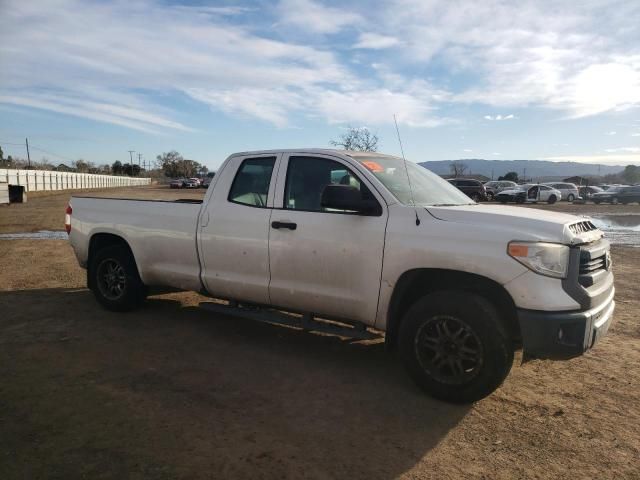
(161, 234)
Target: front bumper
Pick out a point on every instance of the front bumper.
(562, 335)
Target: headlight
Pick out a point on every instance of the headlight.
(550, 259)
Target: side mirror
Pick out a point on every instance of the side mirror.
(346, 197)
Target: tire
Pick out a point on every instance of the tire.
(475, 197)
(597, 202)
(490, 197)
(614, 201)
(115, 281)
(552, 200)
(502, 200)
(433, 354)
(571, 197)
(519, 200)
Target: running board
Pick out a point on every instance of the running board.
(305, 322)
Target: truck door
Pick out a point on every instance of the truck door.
(324, 262)
(234, 229)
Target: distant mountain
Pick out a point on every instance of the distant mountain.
(534, 168)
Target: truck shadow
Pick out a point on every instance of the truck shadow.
(175, 389)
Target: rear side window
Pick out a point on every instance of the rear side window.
(251, 185)
(307, 177)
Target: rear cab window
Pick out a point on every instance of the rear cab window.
(251, 183)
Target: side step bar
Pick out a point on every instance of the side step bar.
(305, 322)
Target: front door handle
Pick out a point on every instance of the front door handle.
(289, 225)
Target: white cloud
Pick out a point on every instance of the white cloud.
(467, 150)
(375, 41)
(581, 59)
(500, 117)
(620, 159)
(314, 17)
(623, 149)
(611, 133)
(635, 134)
(102, 62)
(496, 153)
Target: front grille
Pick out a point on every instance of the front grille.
(590, 266)
(581, 227)
(593, 267)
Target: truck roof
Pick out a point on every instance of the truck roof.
(334, 151)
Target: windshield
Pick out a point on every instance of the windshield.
(427, 188)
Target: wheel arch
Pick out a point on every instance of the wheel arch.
(99, 241)
(415, 283)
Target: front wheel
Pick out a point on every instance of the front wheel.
(552, 200)
(475, 197)
(114, 279)
(571, 197)
(490, 197)
(455, 346)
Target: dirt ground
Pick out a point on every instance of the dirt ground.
(171, 391)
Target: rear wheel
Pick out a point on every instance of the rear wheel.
(490, 196)
(114, 279)
(571, 197)
(475, 197)
(455, 346)
(614, 200)
(552, 200)
(519, 200)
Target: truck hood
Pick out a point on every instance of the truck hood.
(519, 222)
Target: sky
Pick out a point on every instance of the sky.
(557, 80)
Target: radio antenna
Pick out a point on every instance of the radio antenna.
(406, 169)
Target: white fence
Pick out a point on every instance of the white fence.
(39, 180)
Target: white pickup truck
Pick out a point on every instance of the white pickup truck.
(370, 242)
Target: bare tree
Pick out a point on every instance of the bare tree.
(458, 168)
(357, 138)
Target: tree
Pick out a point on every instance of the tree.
(510, 176)
(116, 168)
(631, 174)
(458, 168)
(1, 155)
(131, 169)
(175, 165)
(80, 166)
(357, 138)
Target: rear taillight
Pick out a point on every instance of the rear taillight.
(67, 218)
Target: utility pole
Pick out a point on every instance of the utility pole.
(524, 174)
(26, 141)
(131, 152)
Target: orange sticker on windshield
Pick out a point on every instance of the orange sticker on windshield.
(373, 166)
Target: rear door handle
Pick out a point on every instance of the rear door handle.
(289, 225)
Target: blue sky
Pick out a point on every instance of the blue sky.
(492, 79)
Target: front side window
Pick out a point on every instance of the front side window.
(308, 176)
(251, 185)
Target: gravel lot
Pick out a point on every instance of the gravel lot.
(174, 392)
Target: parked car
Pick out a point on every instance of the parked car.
(494, 187)
(586, 193)
(275, 234)
(529, 193)
(569, 191)
(190, 183)
(197, 180)
(177, 183)
(474, 189)
(615, 195)
(206, 182)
